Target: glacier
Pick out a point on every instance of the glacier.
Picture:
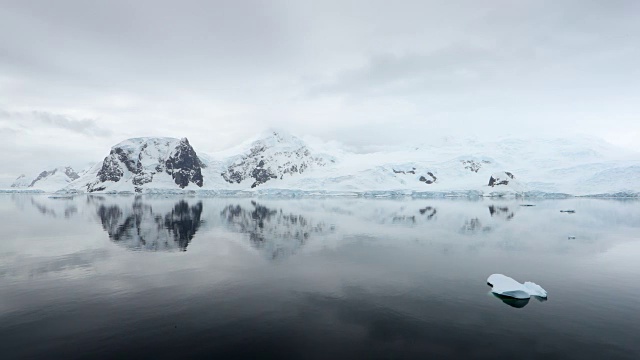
(47, 180)
(277, 164)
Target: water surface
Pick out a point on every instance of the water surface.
(170, 277)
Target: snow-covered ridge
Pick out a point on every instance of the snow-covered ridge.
(279, 164)
(48, 180)
(142, 163)
(273, 157)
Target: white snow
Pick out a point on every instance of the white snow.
(506, 286)
(48, 180)
(22, 182)
(151, 152)
(460, 167)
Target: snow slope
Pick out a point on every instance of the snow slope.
(280, 164)
(142, 163)
(48, 180)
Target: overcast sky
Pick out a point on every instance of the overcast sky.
(78, 76)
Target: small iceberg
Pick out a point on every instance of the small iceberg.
(505, 286)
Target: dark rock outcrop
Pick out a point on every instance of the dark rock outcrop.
(412, 171)
(110, 170)
(41, 176)
(272, 158)
(261, 175)
(473, 165)
(61, 175)
(21, 181)
(404, 219)
(71, 174)
(498, 179)
(430, 179)
(184, 165)
(68, 171)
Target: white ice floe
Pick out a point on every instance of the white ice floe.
(506, 286)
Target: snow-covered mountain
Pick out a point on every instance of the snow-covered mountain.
(273, 157)
(48, 180)
(22, 181)
(143, 163)
(281, 164)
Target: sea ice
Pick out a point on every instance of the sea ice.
(506, 286)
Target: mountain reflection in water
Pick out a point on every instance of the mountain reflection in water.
(276, 233)
(141, 227)
(314, 278)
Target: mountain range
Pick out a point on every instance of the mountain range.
(278, 163)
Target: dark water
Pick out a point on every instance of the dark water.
(149, 277)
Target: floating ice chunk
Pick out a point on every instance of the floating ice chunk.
(506, 286)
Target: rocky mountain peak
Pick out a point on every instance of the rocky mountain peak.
(501, 178)
(273, 157)
(21, 181)
(141, 160)
(184, 166)
(47, 179)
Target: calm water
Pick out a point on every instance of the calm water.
(154, 277)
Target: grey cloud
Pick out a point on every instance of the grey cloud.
(384, 71)
(364, 72)
(123, 43)
(39, 118)
(9, 131)
(83, 126)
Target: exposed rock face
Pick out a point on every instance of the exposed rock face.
(184, 165)
(111, 170)
(272, 158)
(47, 178)
(474, 165)
(404, 219)
(68, 171)
(429, 179)
(502, 178)
(72, 174)
(139, 161)
(412, 171)
(21, 181)
(42, 175)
